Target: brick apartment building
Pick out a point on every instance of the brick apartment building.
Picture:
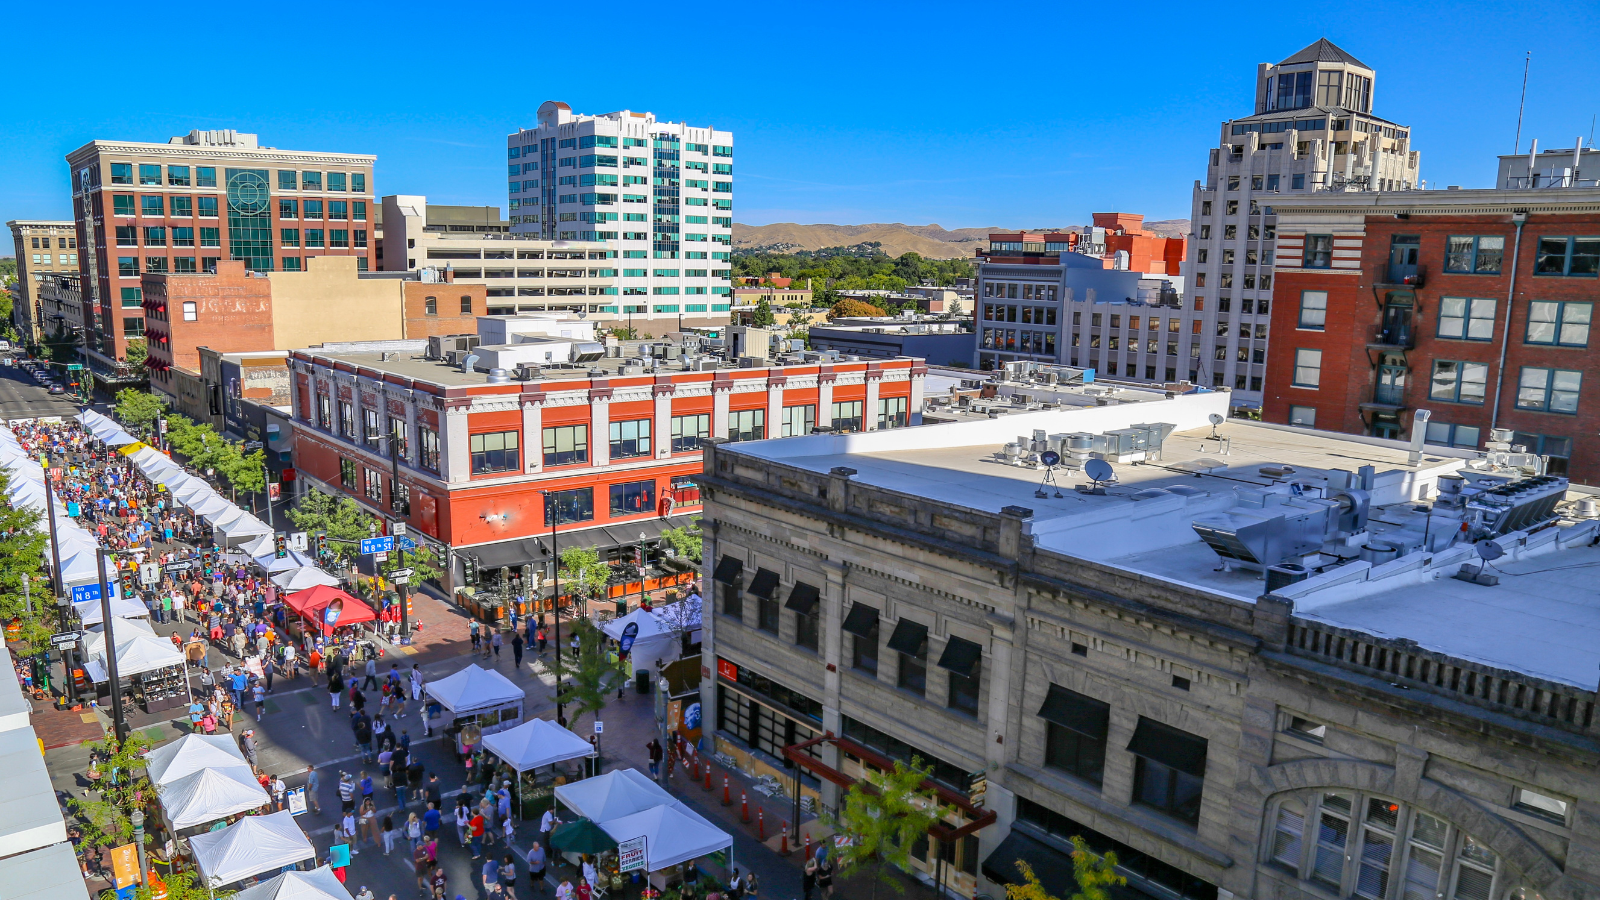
(45, 250)
(181, 207)
(619, 452)
(1392, 303)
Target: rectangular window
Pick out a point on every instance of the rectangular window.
(633, 498)
(1288, 834)
(397, 434)
(155, 236)
(289, 263)
(747, 425)
(1458, 382)
(347, 473)
(494, 452)
(1303, 416)
(863, 624)
(310, 181)
(1318, 251)
(428, 448)
(358, 182)
(1075, 733)
(178, 176)
(313, 237)
(289, 237)
(1169, 770)
(132, 327)
(371, 433)
(847, 416)
(122, 173)
(1467, 318)
(1307, 368)
(910, 642)
(152, 205)
(211, 237)
(630, 439)
(288, 181)
(338, 237)
(338, 209)
(566, 445)
(182, 237)
(134, 297)
(335, 181)
(1313, 310)
(566, 507)
(347, 419)
(313, 209)
(799, 420)
(892, 413)
(372, 484)
(183, 265)
(1549, 390)
(1463, 436)
(155, 265)
(122, 204)
(149, 174)
(1573, 256)
(183, 207)
(1466, 254)
(288, 209)
(688, 431)
(205, 176)
(768, 611)
(324, 411)
(1559, 324)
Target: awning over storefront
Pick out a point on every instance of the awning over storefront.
(764, 584)
(536, 550)
(803, 598)
(728, 570)
(520, 552)
(861, 620)
(909, 637)
(1052, 867)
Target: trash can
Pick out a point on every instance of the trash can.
(641, 681)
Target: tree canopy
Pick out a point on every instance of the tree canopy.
(882, 818)
(342, 519)
(829, 272)
(848, 308)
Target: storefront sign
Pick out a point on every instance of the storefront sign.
(630, 855)
(727, 670)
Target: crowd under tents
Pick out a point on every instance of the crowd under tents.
(313, 605)
(49, 873)
(317, 884)
(250, 846)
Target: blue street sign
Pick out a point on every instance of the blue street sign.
(84, 592)
(377, 545)
(404, 543)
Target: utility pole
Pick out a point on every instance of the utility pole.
(119, 721)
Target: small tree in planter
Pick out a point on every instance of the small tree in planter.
(882, 818)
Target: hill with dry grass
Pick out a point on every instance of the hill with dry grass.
(894, 239)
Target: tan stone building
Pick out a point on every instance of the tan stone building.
(1247, 662)
(44, 249)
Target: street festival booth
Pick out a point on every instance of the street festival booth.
(329, 607)
(617, 793)
(199, 799)
(479, 701)
(105, 430)
(30, 816)
(673, 835)
(645, 638)
(189, 754)
(257, 546)
(240, 528)
(90, 612)
(530, 746)
(317, 884)
(250, 846)
(157, 672)
(270, 563)
(303, 579)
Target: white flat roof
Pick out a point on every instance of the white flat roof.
(15, 709)
(50, 873)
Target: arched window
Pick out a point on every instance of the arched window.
(1371, 847)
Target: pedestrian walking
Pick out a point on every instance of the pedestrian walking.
(516, 649)
(416, 684)
(266, 673)
(462, 818)
(654, 749)
(490, 874)
(247, 744)
(475, 834)
(808, 878)
(258, 696)
(495, 641)
(536, 863)
(335, 687)
(414, 831)
(370, 683)
(388, 834)
(347, 792)
(472, 633)
(312, 782)
(508, 877)
(542, 639)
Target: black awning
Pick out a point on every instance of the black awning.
(728, 570)
(961, 656)
(1052, 867)
(1170, 746)
(764, 584)
(1070, 709)
(909, 638)
(803, 598)
(508, 553)
(861, 620)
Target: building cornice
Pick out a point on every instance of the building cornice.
(1444, 203)
(197, 151)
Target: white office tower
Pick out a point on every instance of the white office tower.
(659, 193)
(1312, 130)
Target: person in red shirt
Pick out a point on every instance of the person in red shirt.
(475, 830)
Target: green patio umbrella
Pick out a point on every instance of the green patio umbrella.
(582, 836)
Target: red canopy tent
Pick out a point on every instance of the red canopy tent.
(312, 604)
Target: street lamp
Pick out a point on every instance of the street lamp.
(137, 818)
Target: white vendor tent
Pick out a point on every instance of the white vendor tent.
(105, 430)
(302, 578)
(269, 561)
(209, 795)
(536, 742)
(654, 639)
(617, 793)
(30, 817)
(15, 709)
(210, 505)
(257, 546)
(671, 835)
(50, 873)
(318, 884)
(243, 527)
(480, 695)
(191, 753)
(250, 846)
(137, 652)
(91, 613)
(82, 568)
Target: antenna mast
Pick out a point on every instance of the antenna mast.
(1527, 61)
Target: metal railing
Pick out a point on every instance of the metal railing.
(1539, 182)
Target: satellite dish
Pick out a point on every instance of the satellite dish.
(1216, 421)
(1489, 550)
(1050, 458)
(1216, 418)
(1098, 470)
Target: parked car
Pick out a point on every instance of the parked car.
(57, 389)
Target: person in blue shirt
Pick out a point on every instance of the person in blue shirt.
(430, 820)
(240, 682)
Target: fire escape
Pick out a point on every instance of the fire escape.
(1395, 294)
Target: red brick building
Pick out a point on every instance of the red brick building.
(618, 449)
(231, 308)
(434, 309)
(1148, 252)
(1389, 303)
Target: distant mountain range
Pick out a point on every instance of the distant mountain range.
(931, 241)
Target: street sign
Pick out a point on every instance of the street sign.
(150, 574)
(377, 545)
(65, 638)
(599, 727)
(400, 579)
(298, 541)
(180, 566)
(84, 592)
(398, 530)
(630, 854)
(381, 556)
(401, 542)
(401, 573)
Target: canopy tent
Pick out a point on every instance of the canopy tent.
(484, 696)
(175, 480)
(654, 640)
(83, 568)
(250, 846)
(94, 643)
(190, 754)
(582, 836)
(30, 816)
(210, 794)
(617, 793)
(49, 873)
(303, 578)
(105, 430)
(244, 527)
(313, 604)
(671, 835)
(191, 492)
(90, 612)
(210, 505)
(318, 884)
(219, 516)
(270, 563)
(257, 546)
(155, 465)
(138, 653)
(536, 742)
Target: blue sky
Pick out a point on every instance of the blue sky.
(966, 115)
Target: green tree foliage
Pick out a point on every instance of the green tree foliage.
(136, 353)
(828, 267)
(179, 886)
(123, 787)
(22, 581)
(1094, 873)
(583, 574)
(139, 410)
(423, 560)
(850, 308)
(762, 317)
(883, 817)
(688, 541)
(61, 346)
(205, 449)
(342, 519)
(591, 679)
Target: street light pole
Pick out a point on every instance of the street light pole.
(555, 596)
(119, 722)
(137, 818)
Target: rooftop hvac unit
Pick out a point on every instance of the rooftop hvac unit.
(586, 353)
(527, 373)
(1516, 506)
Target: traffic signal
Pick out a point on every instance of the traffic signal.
(128, 589)
(320, 543)
(280, 545)
(469, 570)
